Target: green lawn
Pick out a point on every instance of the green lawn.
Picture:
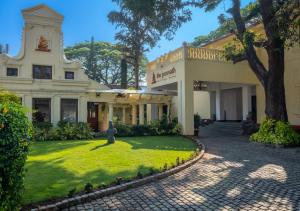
(54, 168)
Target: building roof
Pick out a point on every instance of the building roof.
(128, 91)
(42, 10)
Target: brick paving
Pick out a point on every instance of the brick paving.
(234, 174)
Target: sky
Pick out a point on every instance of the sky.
(86, 18)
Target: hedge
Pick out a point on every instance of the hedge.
(15, 133)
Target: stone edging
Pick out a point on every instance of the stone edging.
(118, 188)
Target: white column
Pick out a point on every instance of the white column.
(168, 111)
(55, 110)
(28, 105)
(141, 114)
(186, 106)
(124, 115)
(218, 104)
(149, 113)
(82, 109)
(134, 113)
(160, 111)
(246, 93)
(110, 112)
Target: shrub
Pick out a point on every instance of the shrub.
(8, 97)
(63, 131)
(123, 130)
(276, 132)
(88, 188)
(197, 121)
(15, 133)
(155, 128)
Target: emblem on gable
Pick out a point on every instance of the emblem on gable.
(43, 44)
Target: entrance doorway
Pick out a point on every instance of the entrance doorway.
(92, 117)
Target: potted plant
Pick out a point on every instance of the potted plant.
(197, 122)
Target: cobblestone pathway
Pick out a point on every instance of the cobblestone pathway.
(233, 175)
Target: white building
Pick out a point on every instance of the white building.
(58, 89)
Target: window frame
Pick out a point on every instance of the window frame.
(34, 75)
(68, 72)
(62, 110)
(49, 104)
(15, 68)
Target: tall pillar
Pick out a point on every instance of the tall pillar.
(55, 116)
(124, 115)
(28, 104)
(218, 104)
(141, 114)
(149, 113)
(186, 105)
(82, 108)
(246, 94)
(168, 111)
(160, 111)
(110, 112)
(133, 114)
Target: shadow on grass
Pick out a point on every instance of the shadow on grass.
(47, 147)
(48, 181)
(100, 146)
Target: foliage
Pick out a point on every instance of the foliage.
(249, 13)
(101, 61)
(66, 165)
(141, 26)
(88, 188)
(63, 131)
(197, 121)
(15, 133)
(6, 96)
(154, 128)
(276, 132)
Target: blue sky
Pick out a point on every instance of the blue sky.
(86, 18)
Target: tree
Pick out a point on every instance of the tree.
(123, 73)
(141, 26)
(226, 24)
(280, 19)
(101, 61)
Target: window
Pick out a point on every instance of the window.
(12, 71)
(69, 75)
(69, 110)
(42, 72)
(42, 109)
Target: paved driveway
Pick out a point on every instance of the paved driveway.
(233, 175)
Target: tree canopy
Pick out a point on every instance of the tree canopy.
(251, 16)
(102, 62)
(142, 23)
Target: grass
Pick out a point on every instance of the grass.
(54, 168)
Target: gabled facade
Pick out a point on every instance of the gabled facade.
(58, 89)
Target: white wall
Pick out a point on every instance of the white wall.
(202, 104)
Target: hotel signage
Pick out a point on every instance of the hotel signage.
(163, 75)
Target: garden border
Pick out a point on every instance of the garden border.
(126, 186)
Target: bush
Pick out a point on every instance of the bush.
(276, 132)
(155, 128)
(63, 131)
(8, 97)
(123, 130)
(15, 133)
(197, 121)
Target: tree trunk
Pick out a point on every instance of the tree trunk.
(124, 81)
(274, 84)
(136, 69)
